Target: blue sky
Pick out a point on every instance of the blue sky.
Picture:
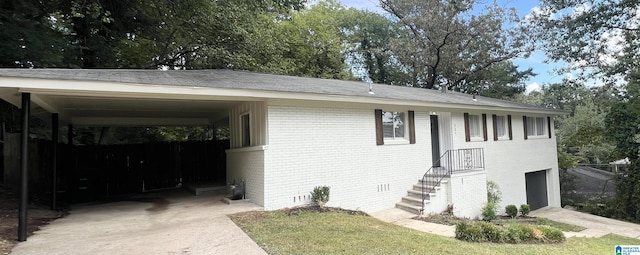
(535, 61)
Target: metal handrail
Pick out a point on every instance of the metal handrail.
(450, 161)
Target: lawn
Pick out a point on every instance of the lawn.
(342, 233)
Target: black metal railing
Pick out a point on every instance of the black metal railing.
(451, 161)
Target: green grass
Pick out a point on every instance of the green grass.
(340, 233)
(559, 225)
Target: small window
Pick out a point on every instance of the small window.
(502, 127)
(475, 127)
(246, 130)
(475, 130)
(535, 126)
(393, 125)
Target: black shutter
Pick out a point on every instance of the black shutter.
(509, 127)
(524, 124)
(495, 127)
(379, 132)
(549, 126)
(467, 134)
(412, 128)
(484, 127)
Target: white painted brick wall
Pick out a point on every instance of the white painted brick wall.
(468, 193)
(247, 166)
(506, 162)
(309, 147)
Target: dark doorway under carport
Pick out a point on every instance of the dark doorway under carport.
(102, 171)
(88, 173)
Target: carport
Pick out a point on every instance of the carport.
(112, 98)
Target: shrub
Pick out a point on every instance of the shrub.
(493, 193)
(524, 210)
(468, 231)
(512, 233)
(320, 195)
(551, 234)
(489, 211)
(491, 232)
(511, 210)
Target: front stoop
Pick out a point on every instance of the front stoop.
(412, 202)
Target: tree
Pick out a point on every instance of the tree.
(623, 126)
(312, 42)
(366, 37)
(28, 39)
(597, 38)
(444, 44)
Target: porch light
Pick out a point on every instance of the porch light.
(371, 89)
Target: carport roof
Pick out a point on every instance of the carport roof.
(56, 85)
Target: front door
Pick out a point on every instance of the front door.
(435, 141)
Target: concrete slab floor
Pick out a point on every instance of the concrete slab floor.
(155, 223)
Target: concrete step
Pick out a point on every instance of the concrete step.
(418, 187)
(409, 207)
(418, 194)
(443, 181)
(412, 200)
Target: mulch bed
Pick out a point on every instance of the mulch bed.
(450, 220)
(317, 209)
(38, 216)
(253, 216)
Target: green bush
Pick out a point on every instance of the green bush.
(493, 193)
(491, 232)
(489, 211)
(320, 195)
(468, 231)
(551, 234)
(511, 210)
(511, 233)
(524, 210)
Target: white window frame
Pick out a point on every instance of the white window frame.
(405, 128)
(536, 127)
(477, 119)
(504, 125)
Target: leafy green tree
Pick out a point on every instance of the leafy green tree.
(446, 44)
(367, 36)
(623, 126)
(28, 37)
(313, 45)
(597, 38)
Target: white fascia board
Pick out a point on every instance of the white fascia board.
(134, 90)
(390, 104)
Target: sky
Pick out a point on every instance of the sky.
(545, 71)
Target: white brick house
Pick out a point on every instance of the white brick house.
(370, 144)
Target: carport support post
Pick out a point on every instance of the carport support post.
(54, 163)
(24, 174)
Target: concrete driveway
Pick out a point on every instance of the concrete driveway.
(596, 226)
(162, 223)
